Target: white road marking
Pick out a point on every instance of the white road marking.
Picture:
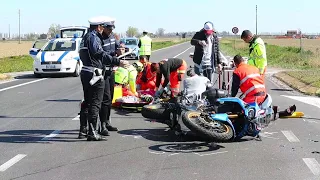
(182, 52)
(315, 101)
(30, 82)
(53, 134)
(290, 136)
(173, 154)
(77, 118)
(221, 152)
(11, 162)
(313, 165)
(152, 152)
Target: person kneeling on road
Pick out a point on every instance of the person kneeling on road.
(127, 76)
(248, 79)
(146, 79)
(251, 83)
(195, 84)
(173, 70)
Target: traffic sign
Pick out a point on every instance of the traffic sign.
(235, 30)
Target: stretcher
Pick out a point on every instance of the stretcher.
(130, 102)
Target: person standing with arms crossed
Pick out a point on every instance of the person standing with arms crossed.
(145, 45)
(257, 51)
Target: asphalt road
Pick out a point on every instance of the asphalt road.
(39, 129)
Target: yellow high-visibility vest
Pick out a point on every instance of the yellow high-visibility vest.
(145, 48)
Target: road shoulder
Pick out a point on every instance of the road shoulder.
(297, 84)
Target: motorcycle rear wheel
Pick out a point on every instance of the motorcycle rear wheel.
(205, 128)
(155, 111)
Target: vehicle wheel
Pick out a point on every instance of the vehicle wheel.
(155, 111)
(77, 70)
(37, 75)
(207, 128)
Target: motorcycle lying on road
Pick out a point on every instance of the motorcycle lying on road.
(214, 116)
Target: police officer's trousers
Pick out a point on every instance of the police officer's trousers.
(107, 98)
(93, 95)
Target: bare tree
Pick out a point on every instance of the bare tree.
(54, 29)
(132, 31)
(160, 32)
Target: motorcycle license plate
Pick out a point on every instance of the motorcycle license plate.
(50, 66)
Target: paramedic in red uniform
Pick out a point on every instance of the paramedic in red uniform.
(249, 80)
(146, 79)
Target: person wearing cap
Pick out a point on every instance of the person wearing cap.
(207, 52)
(94, 58)
(173, 70)
(110, 45)
(195, 84)
(146, 79)
(145, 45)
(257, 51)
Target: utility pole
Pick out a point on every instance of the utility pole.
(19, 28)
(256, 19)
(9, 31)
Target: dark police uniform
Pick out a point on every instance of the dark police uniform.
(94, 58)
(110, 46)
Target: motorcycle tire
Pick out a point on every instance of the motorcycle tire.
(155, 111)
(205, 133)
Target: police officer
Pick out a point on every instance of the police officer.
(94, 58)
(111, 44)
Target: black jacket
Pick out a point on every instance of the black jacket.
(92, 54)
(198, 51)
(166, 67)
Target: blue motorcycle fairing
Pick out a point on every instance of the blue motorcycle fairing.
(224, 118)
(233, 99)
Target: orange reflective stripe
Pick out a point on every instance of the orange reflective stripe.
(248, 77)
(253, 88)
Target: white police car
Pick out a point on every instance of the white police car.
(60, 55)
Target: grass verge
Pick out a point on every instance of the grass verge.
(24, 62)
(306, 82)
(16, 64)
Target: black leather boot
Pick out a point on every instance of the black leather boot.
(107, 120)
(93, 134)
(83, 132)
(104, 131)
(111, 128)
(83, 122)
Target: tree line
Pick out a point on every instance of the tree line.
(54, 29)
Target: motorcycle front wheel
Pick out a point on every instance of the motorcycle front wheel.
(155, 111)
(207, 128)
